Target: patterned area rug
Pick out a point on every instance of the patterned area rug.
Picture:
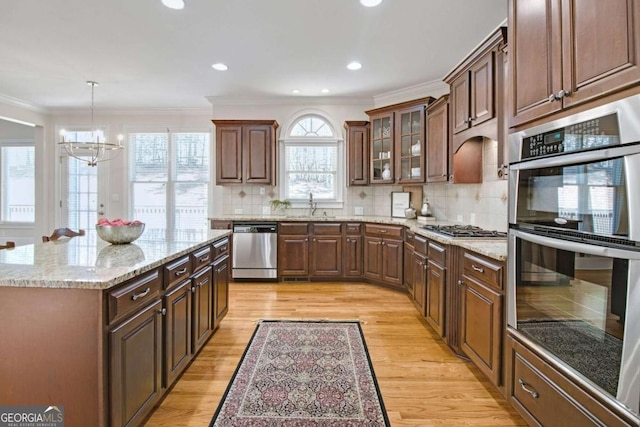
(303, 373)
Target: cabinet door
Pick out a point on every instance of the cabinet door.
(293, 255)
(535, 58)
(220, 289)
(326, 256)
(482, 89)
(202, 308)
(409, 145)
(481, 334)
(259, 150)
(392, 262)
(409, 260)
(177, 345)
(600, 47)
(135, 359)
(358, 153)
(228, 154)
(352, 256)
(460, 113)
(434, 308)
(382, 149)
(372, 258)
(419, 277)
(438, 142)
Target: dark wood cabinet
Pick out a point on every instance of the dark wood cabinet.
(397, 143)
(482, 321)
(383, 254)
(435, 287)
(203, 310)
(408, 260)
(221, 276)
(135, 367)
(245, 151)
(293, 249)
(352, 252)
(326, 250)
(566, 52)
(419, 278)
(357, 134)
(437, 141)
(177, 348)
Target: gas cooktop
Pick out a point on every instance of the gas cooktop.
(465, 231)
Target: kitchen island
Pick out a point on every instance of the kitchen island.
(104, 330)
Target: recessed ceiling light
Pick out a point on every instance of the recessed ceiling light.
(325, 90)
(354, 65)
(174, 4)
(295, 91)
(370, 3)
(220, 66)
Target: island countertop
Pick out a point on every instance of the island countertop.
(86, 262)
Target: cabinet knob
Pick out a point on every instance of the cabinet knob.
(460, 283)
(444, 175)
(382, 243)
(563, 93)
(426, 266)
(163, 311)
(193, 289)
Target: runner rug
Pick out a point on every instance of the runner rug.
(303, 373)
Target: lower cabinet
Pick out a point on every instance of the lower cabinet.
(408, 261)
(325, 256)
(135, 366)
(419, 278)
(177, 348)
(434, 310)
(220, 289)
(203, 308)
(482, 320)
(293, 249)
(383, 253)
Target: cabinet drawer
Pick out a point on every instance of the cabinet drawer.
(383, 230)
(176, 271)
(327, 229)
(220, 248)
(437, 253)
(420, 244)
(290, 228)
(133, 294)
(201, 258)
(221, 225)
(484, 270)
(409, 236)
(353, 228)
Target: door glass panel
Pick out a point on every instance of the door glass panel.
(82, 195)
(18, 183)
(150, 208)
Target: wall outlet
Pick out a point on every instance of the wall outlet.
(266, 210)
(262, 192)
(238, 211)
(358, 210)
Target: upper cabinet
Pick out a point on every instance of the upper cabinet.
(245, 151)
(566, 52)
(357, 134)
(438, 140)
(398, 143)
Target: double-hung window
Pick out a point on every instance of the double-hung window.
(169, 182)
(17, 181)
(311, 162)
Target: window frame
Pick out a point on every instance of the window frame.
(325, 141)
(17, 142)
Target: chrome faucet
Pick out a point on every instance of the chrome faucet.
(313, 206)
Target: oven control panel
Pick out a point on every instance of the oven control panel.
(586, 135)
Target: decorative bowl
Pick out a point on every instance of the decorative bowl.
(119, 234)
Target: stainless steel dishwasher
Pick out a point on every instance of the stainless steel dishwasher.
(255, 250)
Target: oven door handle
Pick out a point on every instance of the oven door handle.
(571, 246)
(578, 157)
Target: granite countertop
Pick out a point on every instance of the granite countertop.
(86, 262)
(492, 248)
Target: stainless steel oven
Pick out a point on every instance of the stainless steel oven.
(574, 246)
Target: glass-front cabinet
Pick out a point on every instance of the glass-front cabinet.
(398, 143)
(410, 137)
(382, 148)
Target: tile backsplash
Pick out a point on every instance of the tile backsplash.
(484, 204)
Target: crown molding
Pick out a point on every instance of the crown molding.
(135, 111)
(434, 89)
(290, 100)
(19, 103)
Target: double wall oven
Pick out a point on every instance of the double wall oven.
(574, 246)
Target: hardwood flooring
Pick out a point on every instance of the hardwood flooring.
(422, 383)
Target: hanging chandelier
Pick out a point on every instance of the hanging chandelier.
(92, 151)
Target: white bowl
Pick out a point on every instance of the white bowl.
(119, 234)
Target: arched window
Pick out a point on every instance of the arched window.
(312, 161)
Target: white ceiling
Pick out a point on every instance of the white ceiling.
(145, 55)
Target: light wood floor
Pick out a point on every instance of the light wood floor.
(422, 383)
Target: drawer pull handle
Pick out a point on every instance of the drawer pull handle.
(383, 231)
(532, 392)
(204, 259)
(141, 294)
(223, 248)
(478, 269)
(181, 272)
(202, 283)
